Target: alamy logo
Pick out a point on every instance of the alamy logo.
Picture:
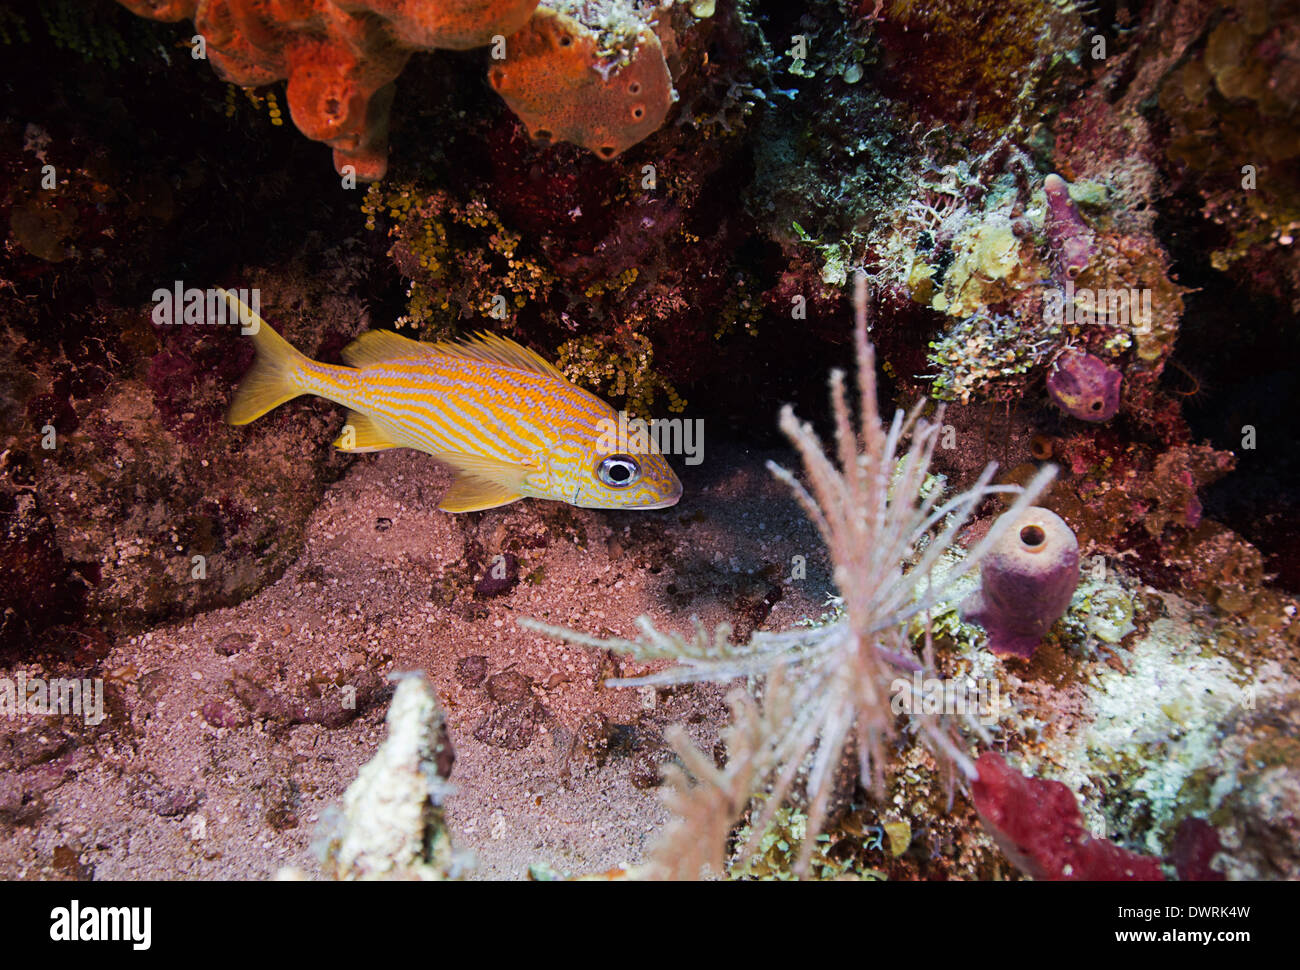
(198, 307)
(23, 695)
(1085, 307)
(947, 695)
(73, 924)
(659, 436)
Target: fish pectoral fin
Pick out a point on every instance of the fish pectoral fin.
(482, 483)
(507, 473)
(363, 433)
(469, 493)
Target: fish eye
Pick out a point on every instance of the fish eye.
(618, 471)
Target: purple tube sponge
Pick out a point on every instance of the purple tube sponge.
(1067, 234)
(1084, 386)
(1026, 582)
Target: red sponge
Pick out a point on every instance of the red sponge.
(1038, 825)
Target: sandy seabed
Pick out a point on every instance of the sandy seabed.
(230, 735)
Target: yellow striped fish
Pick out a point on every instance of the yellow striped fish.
(508, 423)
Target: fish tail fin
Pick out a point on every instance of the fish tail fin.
(273, 378)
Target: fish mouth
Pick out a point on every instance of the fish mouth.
(666, 503)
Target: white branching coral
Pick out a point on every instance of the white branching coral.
(885, 530)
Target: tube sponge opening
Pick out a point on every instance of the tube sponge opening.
(1026, 582)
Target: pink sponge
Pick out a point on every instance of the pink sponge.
(1026, 582)
(1067, 234)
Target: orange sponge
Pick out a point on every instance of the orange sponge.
(553, 78)
(169, 10)
(340, 56)
(447, 24)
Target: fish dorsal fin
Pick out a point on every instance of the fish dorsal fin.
(494, 349)
(374, 346)
(469, 493)
(363, 433)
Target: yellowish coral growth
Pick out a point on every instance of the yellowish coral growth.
(990, 261)
(600, 364)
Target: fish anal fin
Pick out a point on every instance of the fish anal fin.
(363, 433)
(469, 493)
